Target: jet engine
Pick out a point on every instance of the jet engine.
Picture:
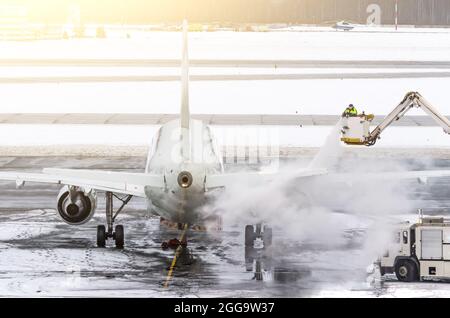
(76, 206)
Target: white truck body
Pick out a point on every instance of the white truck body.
(420, 251)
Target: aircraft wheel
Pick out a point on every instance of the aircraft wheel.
(249, 259)
(249, 236)
(267, 237)
(101, 236)
(119, 236)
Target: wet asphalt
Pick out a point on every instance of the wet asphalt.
(42, 256)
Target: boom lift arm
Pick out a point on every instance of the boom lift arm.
(412, 99)
(356, 132)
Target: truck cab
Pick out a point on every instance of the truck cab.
(420, 251)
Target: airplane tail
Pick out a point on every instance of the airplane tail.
(184, 113)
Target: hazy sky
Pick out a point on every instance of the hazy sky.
(424, 12)
(138, 11)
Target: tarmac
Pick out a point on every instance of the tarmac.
(42, 256)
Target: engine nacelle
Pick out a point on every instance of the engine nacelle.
(80, 209)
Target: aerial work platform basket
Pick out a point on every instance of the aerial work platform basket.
(356, 129)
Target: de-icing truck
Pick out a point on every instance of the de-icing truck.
(420, 251)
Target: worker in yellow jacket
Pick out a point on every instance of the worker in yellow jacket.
(350, 111)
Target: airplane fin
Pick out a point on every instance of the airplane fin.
(184, 113)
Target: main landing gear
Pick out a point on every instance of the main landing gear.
(118, 234)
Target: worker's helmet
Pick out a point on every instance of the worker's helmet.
(350, 106)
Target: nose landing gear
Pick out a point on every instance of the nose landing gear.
(118, 235)
(252, 233)
(256, 253)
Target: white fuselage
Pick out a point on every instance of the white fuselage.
(175, 150)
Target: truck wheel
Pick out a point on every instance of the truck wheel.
(406, 271)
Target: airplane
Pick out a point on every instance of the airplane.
(343, 25)
(183, 174)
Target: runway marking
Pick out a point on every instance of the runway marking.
(218, 77)
(177, 254)
(243, 63)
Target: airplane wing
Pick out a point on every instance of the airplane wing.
(420, 176)
(135, 183)
(117, 182)
(226, 180)
(230, 179)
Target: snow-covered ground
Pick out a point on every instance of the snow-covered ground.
(422, 44)
(377, 96)
(276, 96)
(325, 96)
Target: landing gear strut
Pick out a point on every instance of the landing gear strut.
(118, 234)
(263, 233)
(260, 255)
